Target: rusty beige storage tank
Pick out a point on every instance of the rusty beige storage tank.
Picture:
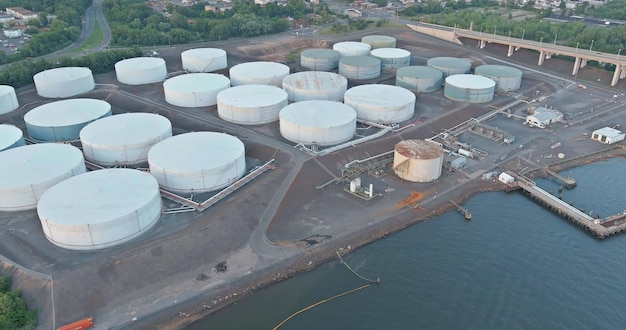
(10, 137)
(469, 88)
(64, 82)
(418, 160)
(352, 48)
(322, 123)
(204, 59)
(8, 99)
(507, 78)
(258, 73)
(392, 59)
(141, 70)
(379, 41)
(194, 90)
(319, 59)
(315, 85)
(251, 104)
(359, 67)
(420, 79)
(379, 103)
(450, 65)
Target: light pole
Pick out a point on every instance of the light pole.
(556, 35)
(576, 52)
(591, 45)
(523, 32)
(618, 52)
(481, 32)
(494, 29)
(509, 36)
(540, 41)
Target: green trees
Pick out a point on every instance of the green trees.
(13, 311)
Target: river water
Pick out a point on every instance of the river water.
(516, 265)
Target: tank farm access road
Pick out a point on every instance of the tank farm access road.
(280, 224)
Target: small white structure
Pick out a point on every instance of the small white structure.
(204, 59)
(141, 70)
(505, 178)
(322, 123)
(64, 82)
(8, 99)
(194, 90)
(251, 104)
(543, 117)
(607, 135)
(258, 73)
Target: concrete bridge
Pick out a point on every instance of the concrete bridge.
(545, 49)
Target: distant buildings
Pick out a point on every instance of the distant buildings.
(543, 117)
(21, 13)
(607, 135)
(12, 33)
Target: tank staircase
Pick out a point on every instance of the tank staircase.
(374, 166)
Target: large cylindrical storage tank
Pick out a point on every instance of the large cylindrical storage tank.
(418, 160)
(251, 104)
(381, 103)
(322, 123)
(62, 120)
(315, 85)
(507, 78)
(359, 67)
(29, 171)
(450, 65)
(420, 79)
(100, 209)
(10, 137)
(204, 60)
(64, 82)
(123, 139)
(141, 70)
(469, 88)
(197, 162)
(392, 59)
(320, 59)
(379, 41)
(194, 90)
(258, 73)
(352, 48)
(8, 99)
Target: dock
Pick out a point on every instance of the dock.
(465, 212)
(568, 182)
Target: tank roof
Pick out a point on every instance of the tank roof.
(449, 62)
(62, 74)
(140, 63)
(203, 52)
(320, 53)
(419, 149)
(259, 68)
(390, 52)
(470, 81)
(195, 152)
(196, 82)
(351, 45)
(359, 60)
(97, 197)
(315, 80)
(318, 113)
(125, 129)
(249, 96)
(67, 112)
(419, 72)
(377, 37)
(498, 71)
(9, 134)
(6, 89)
(379, 95)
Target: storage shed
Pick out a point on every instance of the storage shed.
(607, 135)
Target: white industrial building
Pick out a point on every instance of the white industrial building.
(100, 209)
(10, 137)
(141, 70)
(318, 122)
(8, 99)
(123, 139)
(251, 104)
(29, 171)
(380, 103)
(315, 85)
(418, 160)
(204, 59)
(607, 135)
(64, 82)
(12, 33)
(258, 73)
(197, 162)
(194, 90)
(543, 117)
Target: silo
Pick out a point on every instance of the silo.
(315, 85)
(392, 59)
(381, 103)
(29, 171)
(62, 120)
(258, 73)
(419, 79)
(197, 162)
(450, 65)
(8, 99)
(469, 88)
(352, 48)
(64, 82)
(194, 90)
(320, 59)
(323, 123)
(10, 137)
(379, 41)
(507, 78)
(359, 67)
(251, 104)
(100, 209)
(123, 139)
(141, 70)
(204, 60)
(418, 160)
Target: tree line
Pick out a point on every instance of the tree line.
(14, 313)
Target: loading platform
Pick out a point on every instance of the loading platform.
(568, 182)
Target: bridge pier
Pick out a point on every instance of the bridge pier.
(619, 73)
(576, 66)
(583, 63)
(511, 50)
(482, 44)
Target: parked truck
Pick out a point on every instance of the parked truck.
(78, 325)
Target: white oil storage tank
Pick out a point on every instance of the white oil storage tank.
(352, 48)
(141, 70)
(194, 90)
(100, 209)
(420, 79)
(64, 82)
(204, 59)
(29, 171)
(123, 139)
(319, 59)
(359, 67)
(251, 104)
(62, 120)
(322, 123)
(197, 162)
(450, 65)
(392, 59)
(8, 99)
(258, 73)
(10, 137)
(418, 160)
(379, 103)
(469, 88)
(315, 85)
(507, 78)
(379, 41)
